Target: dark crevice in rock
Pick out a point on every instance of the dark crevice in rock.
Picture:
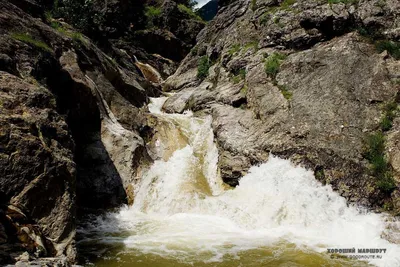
(237, 103)
(94, 166)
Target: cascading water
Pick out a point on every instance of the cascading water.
(183, 215)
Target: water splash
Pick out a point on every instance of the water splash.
(183, 211)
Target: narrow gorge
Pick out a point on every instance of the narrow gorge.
(133, 133)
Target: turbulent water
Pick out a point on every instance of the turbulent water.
(183, 215)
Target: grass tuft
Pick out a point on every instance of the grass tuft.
(273, 63)
(239, 75)
(234, 49)
(203, 66)
(189, 11)
(28, 39)
(393, 48)
(380, 167)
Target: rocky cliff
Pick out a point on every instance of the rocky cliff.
(313, 81)
(73, 123)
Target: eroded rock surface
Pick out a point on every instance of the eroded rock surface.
(316, 106)
(70, 135)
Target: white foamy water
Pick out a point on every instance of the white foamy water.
(182, 209)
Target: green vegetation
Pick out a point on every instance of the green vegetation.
(189, 11)
(82, 14)
(375, 151)
(26, 38)
(76, 36)
(390, 111)
(287, 3)
(343, 1)
(194, 50)
(48, 16)
(264, 18)
(273, 63)
(272, 66)
(253, 5)
(251, 45)
(380, 168)
(234, 49)
(202, 67)
(393, 48)
(244, 89)
(277, 21)
(239, 75)
(285, 92)
(319, 174)
(152, 15)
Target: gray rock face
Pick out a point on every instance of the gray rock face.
(71, 123)
(37, 168)
(324, 95)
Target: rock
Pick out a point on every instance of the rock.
(163, 42)
(183, 25)
(37, 156)
(393, 148)
(327, 96)
(71, 119)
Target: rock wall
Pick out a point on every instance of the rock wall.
(303, 80)
(72, 120)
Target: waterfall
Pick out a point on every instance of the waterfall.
(279, 215)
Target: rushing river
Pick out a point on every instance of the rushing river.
(183, 215)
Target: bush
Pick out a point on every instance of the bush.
(273, 63)
(380, 167)
(253, 5)
(251, 45)
(152, 15)
(285, 92)
(189, 11)
(234, 49)
(343, 1)
(79, 13)
(26, 38)
(239, 75)
(286, 3)
(202, 67)
(393, 48)
(389, 115)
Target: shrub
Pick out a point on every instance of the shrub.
(202, 67)
(265, 18)
(239, 75)
(244, 90)
(285, 4)
(379, 165)
(80, 13)
(234, 49)
(389, 115)
(189, 11)
(393, 48)
(253, 5)
(285, 92)
(152, 14)
(26, 38)
(343, 1)
(251, 45)
(273, 63)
